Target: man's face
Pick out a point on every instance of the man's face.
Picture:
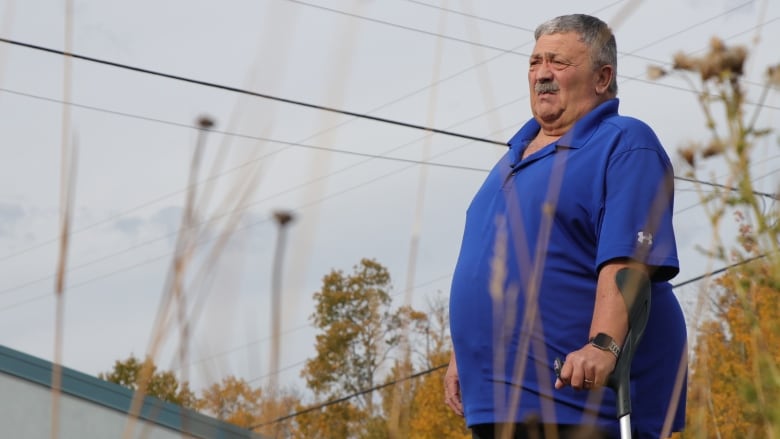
(562, 81)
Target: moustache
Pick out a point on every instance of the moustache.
(546, 87)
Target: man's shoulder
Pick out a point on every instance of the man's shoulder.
(629, 124)
(633, 132)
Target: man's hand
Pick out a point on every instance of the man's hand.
(452, 388)
(586, 368)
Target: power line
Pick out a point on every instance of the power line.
(408, 28)
(298, 144)
(389, 158)
(513, 51)
(291, 101)
(123, 251)
(294, 329)
(246, 92)
(227, 133)
(350, 396)
(718, 271)
(729, 188)
(442, 366)
(288, 143)
(476, 17)
(692, 26)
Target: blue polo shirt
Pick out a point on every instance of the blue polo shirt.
(523, 291)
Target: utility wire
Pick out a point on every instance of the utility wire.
(247, 92)
(357, 115)
(365, 116)
(388, 23)
(632, 53)
(718, 271)
(476, 17)
(291, 330)
(442, 366)
(350, 396)
(723, 186)
(512, 51)
(408, 28)
(104, 258)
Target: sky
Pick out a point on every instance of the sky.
(356, 186)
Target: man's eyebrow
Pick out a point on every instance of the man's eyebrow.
(545, 55)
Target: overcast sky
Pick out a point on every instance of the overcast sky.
(352, 183)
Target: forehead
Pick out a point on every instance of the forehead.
(564, 44)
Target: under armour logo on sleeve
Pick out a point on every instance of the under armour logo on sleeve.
(644, 238)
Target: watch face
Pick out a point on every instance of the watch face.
(605, 342)
(602, 340)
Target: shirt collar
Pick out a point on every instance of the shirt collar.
(576, 136)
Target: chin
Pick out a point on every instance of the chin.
(546, 112)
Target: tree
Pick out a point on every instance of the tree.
(735, 371)
(430, 417)
(276, 405)
(358, 331)
(333, 421)
(232, 400)
(161, 384)
(735, 381)
(236, 401)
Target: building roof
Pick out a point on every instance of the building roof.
(119, 398)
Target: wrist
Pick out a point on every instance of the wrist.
(605, 343)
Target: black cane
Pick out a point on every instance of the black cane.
(634, 285)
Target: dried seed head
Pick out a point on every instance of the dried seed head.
(714, 148)
(685, 62)
(734, 60)
(720, 63)
(773, 75)
(205, 122)
(283, 217)
(716, 45)
(655, 72)
(689, 155)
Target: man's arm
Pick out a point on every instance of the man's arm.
(590, 366)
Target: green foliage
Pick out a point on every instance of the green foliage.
(132, 373)
(358, 332)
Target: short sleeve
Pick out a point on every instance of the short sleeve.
(636, 220)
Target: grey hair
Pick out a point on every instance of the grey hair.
(593, 32)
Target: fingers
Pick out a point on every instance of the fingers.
(575, 376)
(452, 394)
(585, 369)
(452, 387)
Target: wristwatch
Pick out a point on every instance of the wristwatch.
(605, 343)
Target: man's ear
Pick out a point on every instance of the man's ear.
(604, 76)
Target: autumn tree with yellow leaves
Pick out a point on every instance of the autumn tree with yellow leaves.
(430, 417)
(359, 333)
(234, 400)
(364, 385)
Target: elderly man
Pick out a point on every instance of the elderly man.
(582, 193)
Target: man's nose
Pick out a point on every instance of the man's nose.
(543, 71)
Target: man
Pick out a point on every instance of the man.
(581, 194)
